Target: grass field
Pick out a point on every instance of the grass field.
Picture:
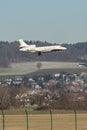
(42, 122)
(46, 67)
(65, 121)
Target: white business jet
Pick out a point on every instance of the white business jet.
(34, 49)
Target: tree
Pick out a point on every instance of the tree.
(39, 65)
(4, 97)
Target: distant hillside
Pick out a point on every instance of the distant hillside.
(9, 52)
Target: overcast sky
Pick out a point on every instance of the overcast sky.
(55, 21)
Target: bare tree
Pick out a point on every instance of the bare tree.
(39, 65)
(4, 97)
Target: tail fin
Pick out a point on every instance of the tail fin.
(22, 43)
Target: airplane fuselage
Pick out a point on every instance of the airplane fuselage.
(39, 50)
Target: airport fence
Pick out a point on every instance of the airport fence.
(43, 120)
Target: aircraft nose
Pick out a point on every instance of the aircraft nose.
(64, 48)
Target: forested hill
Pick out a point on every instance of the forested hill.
(9, 52)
